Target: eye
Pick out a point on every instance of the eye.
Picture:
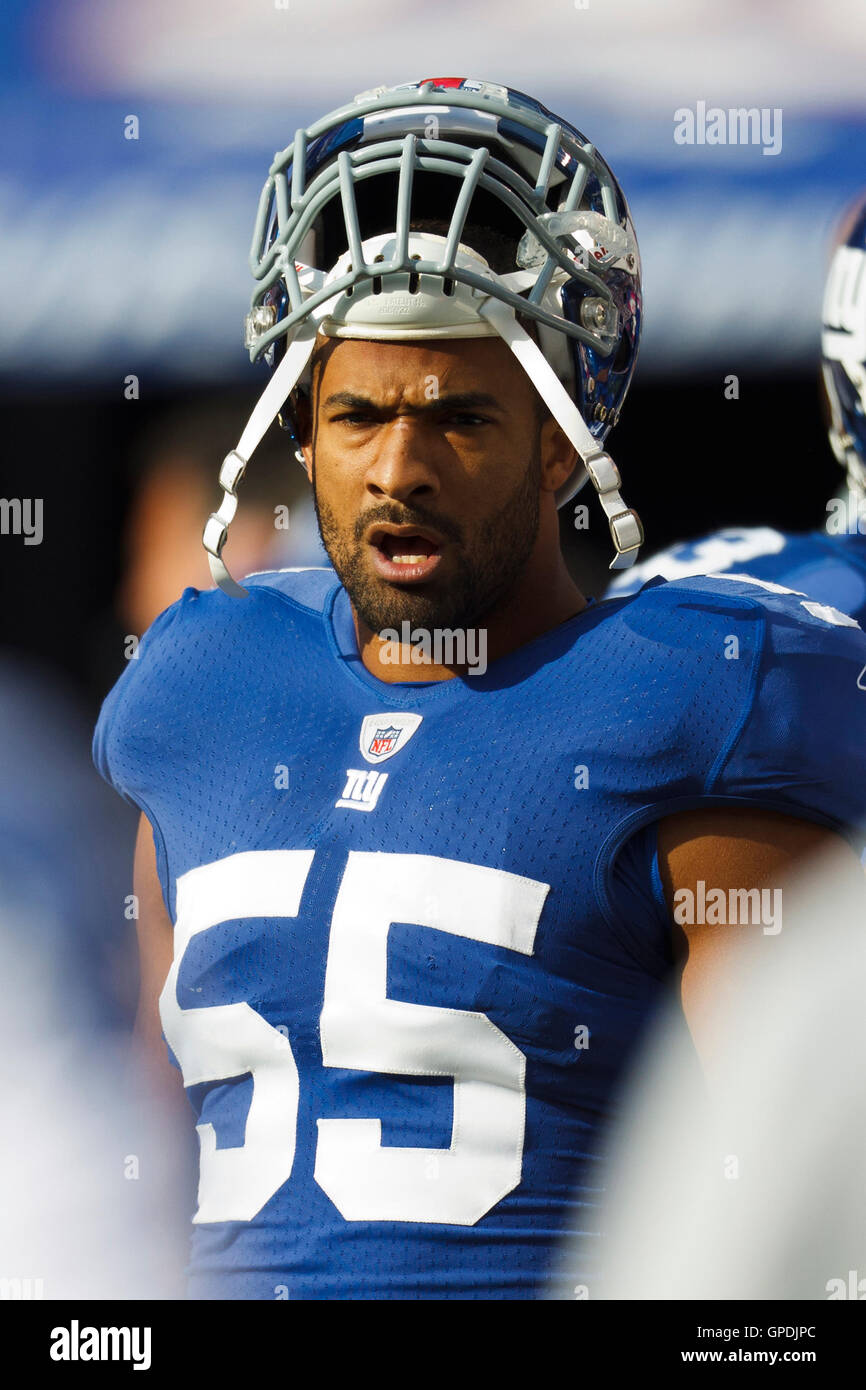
(464, 419)
(353, 417)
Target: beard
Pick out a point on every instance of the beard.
(488, 564)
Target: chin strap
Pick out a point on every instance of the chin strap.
(265, 411)
(625, 525)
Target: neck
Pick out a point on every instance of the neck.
(545, 597)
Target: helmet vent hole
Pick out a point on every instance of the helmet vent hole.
(448, 286)
(377, 284)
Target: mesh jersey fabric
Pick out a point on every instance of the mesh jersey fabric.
(461, 953)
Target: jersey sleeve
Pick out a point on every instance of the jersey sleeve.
(135, 708)
(201, 667)
(758, 702)
(137, 743)
(637, 910)
(801, 746)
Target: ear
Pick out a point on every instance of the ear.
(558, 456)
(303, 417)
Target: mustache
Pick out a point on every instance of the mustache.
(416, 516)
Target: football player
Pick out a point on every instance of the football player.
(828, 564)
(406, 906)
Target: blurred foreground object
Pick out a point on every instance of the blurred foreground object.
(751, 1185)
(90, 1193)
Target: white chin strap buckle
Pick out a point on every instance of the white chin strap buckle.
(625, 525)
(298, 352)
(217, 526)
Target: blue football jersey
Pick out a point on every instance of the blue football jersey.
(405, 989)
(829, 568)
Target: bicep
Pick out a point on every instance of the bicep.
(155, 950)
(738, 852)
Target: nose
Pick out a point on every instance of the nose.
(403, 466)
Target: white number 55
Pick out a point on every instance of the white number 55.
(361, 1029)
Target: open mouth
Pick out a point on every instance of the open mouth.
(403, 555)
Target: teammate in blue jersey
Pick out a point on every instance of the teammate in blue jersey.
(412, 825)
(828, 564)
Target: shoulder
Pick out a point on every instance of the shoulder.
(754, 598)
(201, 621)
(775, 662)
(803, 734)
(832, 568)
(781, 608)
(750, 617)
(307, 586)
(206, 658)
(762, 688)
(696, 667)
(305, 589)
(200, 618)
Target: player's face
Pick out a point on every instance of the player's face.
(426, 461)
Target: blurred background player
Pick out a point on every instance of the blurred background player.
(174, 463)
(828, 564)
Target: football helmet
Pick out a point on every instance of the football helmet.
(342, 247)
(843, 347)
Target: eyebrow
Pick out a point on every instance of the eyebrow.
(455, 400)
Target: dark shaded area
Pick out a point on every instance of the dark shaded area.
(692, 461)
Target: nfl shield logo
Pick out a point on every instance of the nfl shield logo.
(384, 741)
(384, 734)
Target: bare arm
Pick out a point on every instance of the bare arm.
(731, 849)
(155, 949)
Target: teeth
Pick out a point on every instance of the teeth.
(408, 559)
